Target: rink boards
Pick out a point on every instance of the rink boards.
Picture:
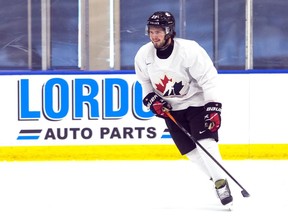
(98, 115)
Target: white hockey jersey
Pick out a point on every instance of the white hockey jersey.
(186, 78)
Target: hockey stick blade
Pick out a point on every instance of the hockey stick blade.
(243, 192)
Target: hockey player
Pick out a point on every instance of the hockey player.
(178, 75)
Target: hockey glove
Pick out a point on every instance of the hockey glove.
(156, 104)
(212, 117)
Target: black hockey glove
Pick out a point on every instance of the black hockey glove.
(212, 117)
(156, 104)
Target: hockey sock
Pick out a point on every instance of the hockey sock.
(212, 147)
(195, 157)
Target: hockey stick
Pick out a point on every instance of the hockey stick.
(243, 192)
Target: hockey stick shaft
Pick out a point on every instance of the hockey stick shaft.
(244, 192)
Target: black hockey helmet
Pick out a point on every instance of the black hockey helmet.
(162, 19)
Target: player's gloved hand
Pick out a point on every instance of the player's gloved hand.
(156, 104)
(212, 117)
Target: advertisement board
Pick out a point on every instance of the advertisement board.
(92, 115)
(77, 109)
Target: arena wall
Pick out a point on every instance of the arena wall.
(98, 115)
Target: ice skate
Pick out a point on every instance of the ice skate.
(223, 192)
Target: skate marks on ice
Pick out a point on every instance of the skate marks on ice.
(138, 188)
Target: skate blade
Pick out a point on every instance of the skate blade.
(229, 206)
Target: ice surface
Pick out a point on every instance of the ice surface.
(138, 188)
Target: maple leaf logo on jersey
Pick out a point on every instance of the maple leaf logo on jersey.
(168, 87)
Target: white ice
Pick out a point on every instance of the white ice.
(138, 188)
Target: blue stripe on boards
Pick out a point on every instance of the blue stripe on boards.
(126, 72)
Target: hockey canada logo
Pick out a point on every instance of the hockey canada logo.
(168, 87)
